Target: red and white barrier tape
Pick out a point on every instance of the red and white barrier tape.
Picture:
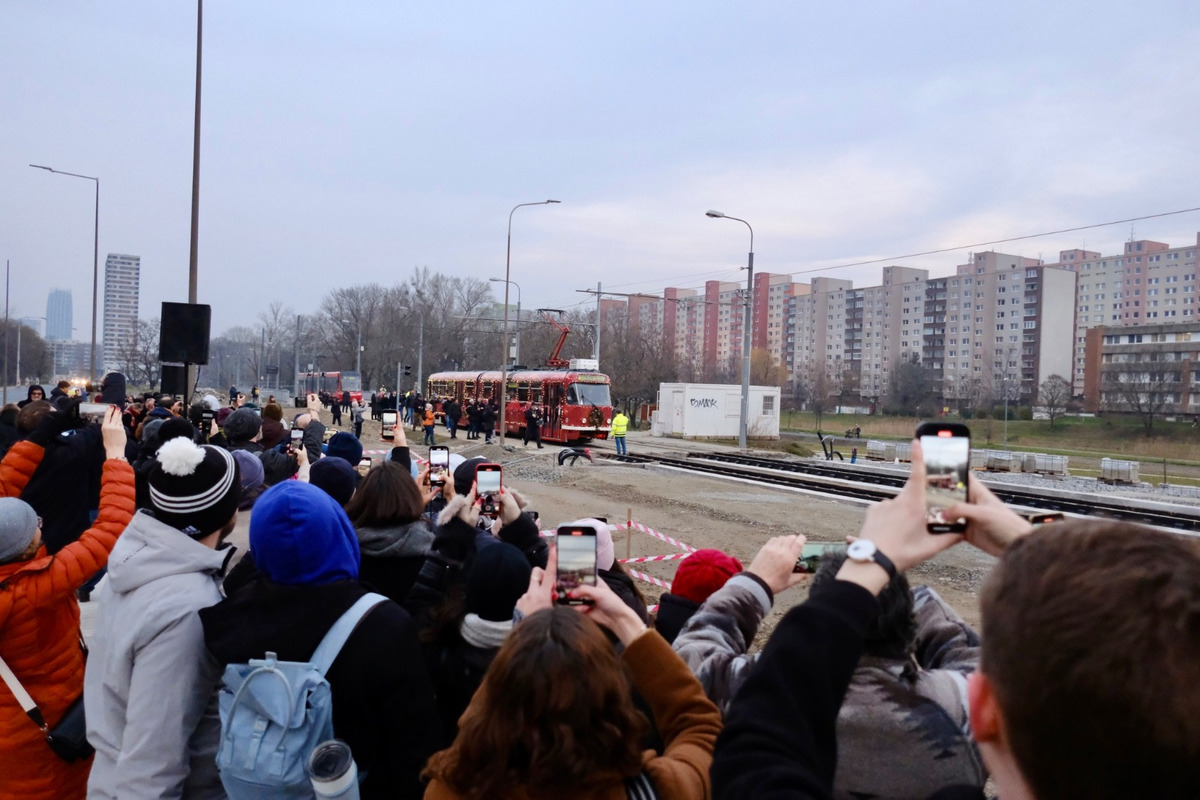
(649, 579)
(651, 532)
(643, 559)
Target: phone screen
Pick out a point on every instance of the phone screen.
(947, 459)
(810, 556)
(576, 558)
(487, 481)
(297, 434)
(93, 410)
(439, 464)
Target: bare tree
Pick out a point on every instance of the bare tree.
(1144, 384)
(818, 385)
(1054, 394)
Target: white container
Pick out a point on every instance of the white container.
(1114, 470)
(876, 451)
(904, 452)
(332, 770)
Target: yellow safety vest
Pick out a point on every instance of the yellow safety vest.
(619, 424)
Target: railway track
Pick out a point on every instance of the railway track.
(873, 485)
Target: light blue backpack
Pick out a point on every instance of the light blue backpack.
(274, 714)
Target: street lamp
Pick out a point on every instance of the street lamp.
(95, 256)
(517, 349)
(507, 281)
(746, 317)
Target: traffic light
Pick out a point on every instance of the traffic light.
(407, 370)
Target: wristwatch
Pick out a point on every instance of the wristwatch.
(864, 551)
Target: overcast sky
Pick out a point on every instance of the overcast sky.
(351, 142)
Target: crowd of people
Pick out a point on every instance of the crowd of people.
(467, 672)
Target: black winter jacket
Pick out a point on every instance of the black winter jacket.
(383, 700)
(673, 613)
(622, 585)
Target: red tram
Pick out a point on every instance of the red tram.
(576, 405)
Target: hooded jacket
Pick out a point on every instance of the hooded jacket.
(383, 700)
(904, 737)
(150, 686)
(29, 396)
(392, 557)
(39, 637)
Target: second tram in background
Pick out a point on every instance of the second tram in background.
(330, 384)
(574, 400)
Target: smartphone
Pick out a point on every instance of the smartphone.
(93, 411)
(947, 450)
(364, 465)
(810, 556)
(576, 561)
(297, 434)
(487, 488)
(439, 465)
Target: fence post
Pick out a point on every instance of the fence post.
(628, 530)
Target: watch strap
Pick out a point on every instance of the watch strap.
(885, 562)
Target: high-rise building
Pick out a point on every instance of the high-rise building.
(122, 276)
(58, 315)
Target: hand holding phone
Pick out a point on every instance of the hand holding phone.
(439, 464)
(947, 451)
(487, 488)
(576, 546)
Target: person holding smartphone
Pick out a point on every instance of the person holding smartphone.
(515, 717)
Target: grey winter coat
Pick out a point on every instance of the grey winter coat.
(150, 685)
(904, 730)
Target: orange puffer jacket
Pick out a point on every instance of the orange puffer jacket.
(39, 635)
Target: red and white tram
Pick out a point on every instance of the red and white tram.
(575, 404)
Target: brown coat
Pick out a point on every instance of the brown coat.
(688, 721)
(39, 638)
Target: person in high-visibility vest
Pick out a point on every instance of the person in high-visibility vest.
(620, 423)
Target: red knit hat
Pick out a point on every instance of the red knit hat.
(702, 573)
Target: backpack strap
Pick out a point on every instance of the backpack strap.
(332, 644)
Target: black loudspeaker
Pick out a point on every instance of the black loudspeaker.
(174, 381)
(183, 336)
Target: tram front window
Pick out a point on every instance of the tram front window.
(588, 394)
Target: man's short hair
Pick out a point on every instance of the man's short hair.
(1091, 641)
(29, 416)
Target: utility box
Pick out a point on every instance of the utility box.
(713, 411)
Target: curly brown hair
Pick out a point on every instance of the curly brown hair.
(555, 713)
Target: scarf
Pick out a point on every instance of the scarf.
(483, 633)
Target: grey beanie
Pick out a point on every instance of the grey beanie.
(242, 425)
(18, 524)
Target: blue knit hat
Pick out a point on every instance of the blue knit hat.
(345, 445)
(300, 536)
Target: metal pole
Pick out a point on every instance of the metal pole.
(95, 275)
(193, 251)
(358, 352)
(18, 355)
(517, 348)
(296, 362)
(745, 416)
(421, 351)
(6, 274)
(504, 336)
(596, 346)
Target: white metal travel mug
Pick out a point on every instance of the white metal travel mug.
(332, 770)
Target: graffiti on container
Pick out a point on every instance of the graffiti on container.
(704, 402)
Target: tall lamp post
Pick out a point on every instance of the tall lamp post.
(95, 258)
(746, 318)
(507, 281)
(517, 349)
(420, 348)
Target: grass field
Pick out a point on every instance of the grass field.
(1116, 437)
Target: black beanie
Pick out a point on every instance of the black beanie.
(194, 488)
(464, 474)
(498, 578)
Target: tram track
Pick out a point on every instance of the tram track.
(873, 485)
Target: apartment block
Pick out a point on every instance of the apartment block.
(1147, 284)
(122, 276)
(59, 317)
(1145, 368)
